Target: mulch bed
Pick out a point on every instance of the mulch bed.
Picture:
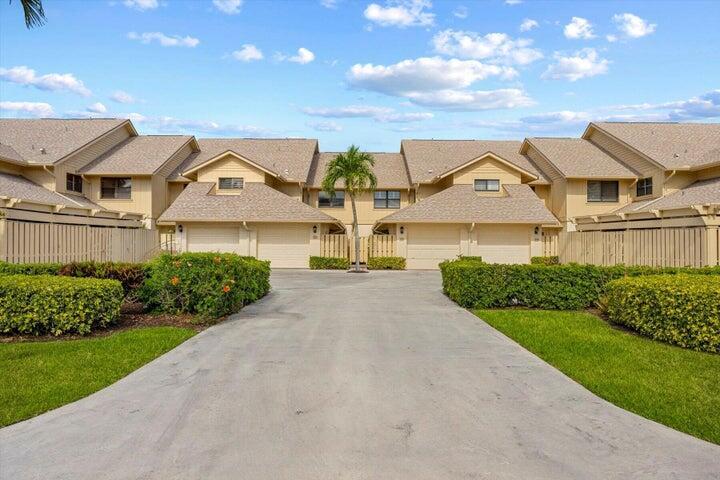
(131, 316)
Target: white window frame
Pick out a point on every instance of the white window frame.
(235, 183)
(484, 185)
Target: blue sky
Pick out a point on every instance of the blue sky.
(367, 72)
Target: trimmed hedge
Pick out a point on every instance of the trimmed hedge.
(386, 263)
(130, 275)
(553, 260)
(680, 309)
(553, 287)
(30, 268)
(329, 263)
(42, 304)
(210, 285)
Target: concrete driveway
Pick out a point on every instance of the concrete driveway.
(374, 376)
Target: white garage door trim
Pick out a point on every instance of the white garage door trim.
(285, 245)
(428, 245)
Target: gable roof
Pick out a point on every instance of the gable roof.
(58, 138)
(256, 202)
(389, 169)
(289, 158)
(8, 154)
(682, 146)
(579, 158)
(703, 192)
(461, 204)
(141, 155)
(15, 186)
(428, 159)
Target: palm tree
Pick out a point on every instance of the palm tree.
(34, 13)
(354, 169)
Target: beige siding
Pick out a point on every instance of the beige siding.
(87, 154)
(367, 213)
(577, 204)
(677, 181)
(712, 172)
(489, 169)
(140, 197)
(158, 195)
(10, 168)
(175, 160)
(556, 199)
(543, 164)
(290, 189)
(41, 176)
(173, 190)
(230, 167)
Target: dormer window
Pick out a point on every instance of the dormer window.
(231, 183)
(73, 183)
(644, 187)
(485, 185)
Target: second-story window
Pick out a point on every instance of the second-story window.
(387, 199)
(644, 187)
(73, 183)
(331, 201)
(484, 185)
(602, 191)
(231, 183)
(115, 187)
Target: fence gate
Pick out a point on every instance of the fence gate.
(370, 246)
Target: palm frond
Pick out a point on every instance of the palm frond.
(34, 13)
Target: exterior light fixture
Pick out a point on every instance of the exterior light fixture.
(537, 230)
(180, 228)
(314, 228)
(402, 229)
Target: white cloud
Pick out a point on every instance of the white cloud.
(141, 5)
(248, 53)
(381, 114)
(528, 24)
(329, 3)
(513, 2)
(611, 38)
(230, 7)
(472, 100)
(35, 109)
(165, 40)
(325, 126)
(176, 125)
(633, 26)
(461, 12)
(23, 75)
(579, 28)
(97, 107)
(303, 56)
(703, 106)
(582, 64)
(494, 47)
(401, 13)
(122, 97)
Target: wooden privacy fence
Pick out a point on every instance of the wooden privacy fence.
(370, 246)
(549, 243)
(27, 242)
(666, 247)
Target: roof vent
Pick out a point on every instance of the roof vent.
(43, 151)
(676, 155)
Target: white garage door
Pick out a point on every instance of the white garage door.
(504, 243)
(285, 245)
(428, 245)
(213, 238)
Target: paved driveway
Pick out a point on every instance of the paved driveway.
(374, 376)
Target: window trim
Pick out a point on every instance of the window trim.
(486, 180)
(71, 182)
(233, 180)
(116, 180)
(643, 184)
(386, 199)
(332, 199)
(601, 199)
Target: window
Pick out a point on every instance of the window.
(335, 201)
(602, 191)
(73, 183)
(118, 188)
(487, 185)
(387, 199)
(231, 183)
(644, 187)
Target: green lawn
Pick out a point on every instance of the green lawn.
(677, 387)
(39, 376)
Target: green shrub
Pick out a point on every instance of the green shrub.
(329, 263)
(130, 275)
(680, 309)
(386, 263)
(553, 287)
(210, 285)
(41, 304)
(29, 268)
(470, 258)
(554, 260)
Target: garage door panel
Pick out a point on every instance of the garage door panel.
(285, 245)
(504, 243)
(428, 245)
(213, 238)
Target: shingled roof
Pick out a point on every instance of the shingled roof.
(579, 158)
(672, 145)
(45, 141)
(15, 186)
(141, 155)
(389, 169)
(427, 159)
(461, 204)
(256, 202)
(289, 158)
(703, 192)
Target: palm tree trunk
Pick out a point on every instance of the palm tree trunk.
(357, 234)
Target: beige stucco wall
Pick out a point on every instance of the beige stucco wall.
(367, 213)
(487, 169)
(577, 204)
(230, 166)
(141, 196)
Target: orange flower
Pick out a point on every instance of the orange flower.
(226, 288)
(176, 263)
(216, 259)
(174, 280)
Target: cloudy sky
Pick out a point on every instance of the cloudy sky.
(364, 72)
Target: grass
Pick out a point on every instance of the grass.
(677, 387)
(38, 376)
